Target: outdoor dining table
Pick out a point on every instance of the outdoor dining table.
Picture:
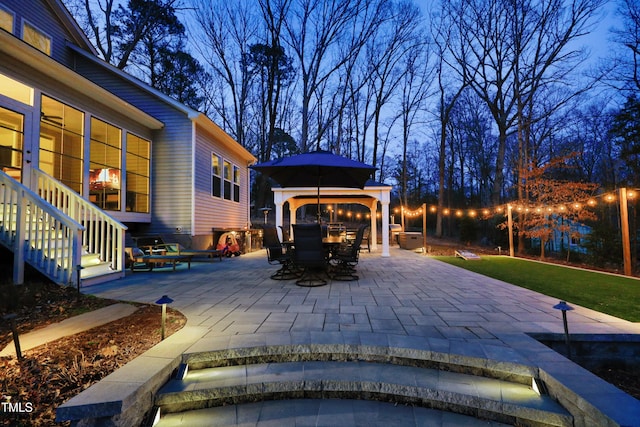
(330, 243)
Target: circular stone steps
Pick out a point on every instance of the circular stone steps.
(501, 393)
(321, 412)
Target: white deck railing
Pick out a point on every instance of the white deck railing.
(103, 235)
(38, 233)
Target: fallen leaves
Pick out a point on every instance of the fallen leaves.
(53, 373)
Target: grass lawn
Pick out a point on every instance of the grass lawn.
(614, 295)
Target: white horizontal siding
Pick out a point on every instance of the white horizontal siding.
(214, 212)
(171, 176)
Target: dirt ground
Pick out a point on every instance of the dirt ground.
(51, 374)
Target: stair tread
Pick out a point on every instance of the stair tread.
(394, 378)
(323, 412)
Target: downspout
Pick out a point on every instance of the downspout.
(193, 178)
(248, 236)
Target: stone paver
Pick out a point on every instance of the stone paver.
(408, 295)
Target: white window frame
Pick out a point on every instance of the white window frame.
(229, 184)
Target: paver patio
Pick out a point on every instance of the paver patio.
(405, 298)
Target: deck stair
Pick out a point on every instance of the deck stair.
(208, 382)
(58, 232)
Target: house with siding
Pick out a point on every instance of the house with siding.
(100, 155)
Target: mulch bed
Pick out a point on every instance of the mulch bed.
(50, 374)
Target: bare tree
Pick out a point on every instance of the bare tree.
(386, 58)
(628, 37)
(316, 32)
(415, 85)
(515, 51)
(224, 31)
(117, 29)
(449, 90)
(275, 71)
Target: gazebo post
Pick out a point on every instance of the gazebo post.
(384, 200)
(373, 237)
(277, 200)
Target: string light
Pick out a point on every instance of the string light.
(487, 212)
(518, 207)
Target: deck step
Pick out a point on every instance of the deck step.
(484, 398)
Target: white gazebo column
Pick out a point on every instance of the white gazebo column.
(373, 237)
(292, 218)
(385, 224)
(277, 200)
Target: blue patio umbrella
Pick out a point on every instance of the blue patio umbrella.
(316, 169)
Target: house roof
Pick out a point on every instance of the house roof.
(71, 25)
(13, 47)
(199, 118)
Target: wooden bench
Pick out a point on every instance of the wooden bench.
(152, 260)
(138, 260)
(156, 242)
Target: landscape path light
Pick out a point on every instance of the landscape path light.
(562, 305)
(16, 341)
(164, 301)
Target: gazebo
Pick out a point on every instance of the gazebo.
(369, 196)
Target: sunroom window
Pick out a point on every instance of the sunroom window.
(105, 167)
(61, 142)
(138, 173)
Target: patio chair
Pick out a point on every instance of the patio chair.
(346, 258)
(366, 238)
(277, 253)
(309, 254)
(134, 259)
(285, 233)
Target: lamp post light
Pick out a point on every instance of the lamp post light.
(265, 211)
(562, 305)
(164, 301)
(16, 340)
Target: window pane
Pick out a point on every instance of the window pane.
(105, 167)
(6, 20)
(138, 172)
(215, 165)
(11, 141)
(61, 142)
(36, 38)
(227, 171)
(227, 190)
(216, 186)
(236, 175)
(15, 90)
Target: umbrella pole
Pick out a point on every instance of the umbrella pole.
(319, 215)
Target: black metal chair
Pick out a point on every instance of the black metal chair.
(366, 238)
(277, 253)
(346, 258)
(309, 254)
